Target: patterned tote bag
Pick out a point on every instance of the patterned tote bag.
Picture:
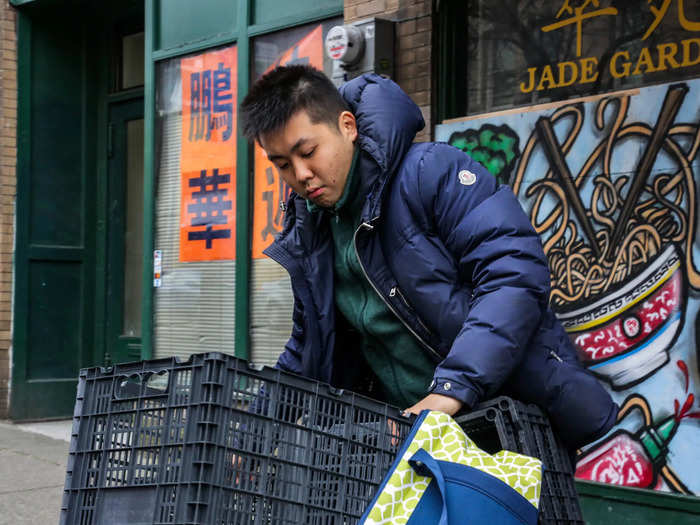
(441, 477)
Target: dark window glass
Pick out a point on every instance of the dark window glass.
(132, 61)
(497, 54)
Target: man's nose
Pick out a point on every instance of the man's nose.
(302, 171)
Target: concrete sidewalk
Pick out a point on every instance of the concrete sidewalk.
(32, 471)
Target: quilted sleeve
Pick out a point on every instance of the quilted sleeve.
(290, 359)
(499, 255)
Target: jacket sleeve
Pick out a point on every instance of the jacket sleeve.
(290, 359)
(499, 256)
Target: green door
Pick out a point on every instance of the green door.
(124, 232)
(54, 294)
(78, 238)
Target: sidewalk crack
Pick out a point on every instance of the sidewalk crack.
(5, 493)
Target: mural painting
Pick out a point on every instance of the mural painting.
(609, 182)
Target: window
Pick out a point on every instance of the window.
(271, 293)
(127, 50)
(132, 61)
(195, 203)
(498, 54)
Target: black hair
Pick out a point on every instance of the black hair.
(284, 91)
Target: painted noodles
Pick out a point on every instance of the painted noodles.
(663, 211)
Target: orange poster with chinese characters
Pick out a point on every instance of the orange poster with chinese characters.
(269, 188)
(208, 156)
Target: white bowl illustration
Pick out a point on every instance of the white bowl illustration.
(625, 336)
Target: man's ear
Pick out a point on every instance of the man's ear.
(347, 125)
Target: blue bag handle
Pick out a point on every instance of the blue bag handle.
(425, 465)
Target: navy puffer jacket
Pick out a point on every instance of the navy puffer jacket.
(454, 256)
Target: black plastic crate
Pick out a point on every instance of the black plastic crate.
(166, 441)
(504, 423)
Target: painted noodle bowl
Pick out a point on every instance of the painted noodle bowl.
(618, 241)
(624, 336)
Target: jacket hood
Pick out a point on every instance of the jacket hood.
(387, 119)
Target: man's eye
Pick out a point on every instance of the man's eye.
(282, 166)
(308, 153)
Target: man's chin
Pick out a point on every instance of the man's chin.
(324, 203)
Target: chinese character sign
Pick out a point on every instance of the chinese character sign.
(208, 156)
(270, 190)
(577, 16)
(660, 12)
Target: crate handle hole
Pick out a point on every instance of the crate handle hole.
(128, 386)
(255, 367)
(157, 383)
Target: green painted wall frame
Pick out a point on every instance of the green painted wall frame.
(149, 112)
(181, 22)
(243, 209)
(271, 11)
(181, 26)
(611, 505)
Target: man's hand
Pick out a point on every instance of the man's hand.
(446, 404)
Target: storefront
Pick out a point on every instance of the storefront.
(588, 110)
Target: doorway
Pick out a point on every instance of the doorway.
(124, 257)
(79, 222)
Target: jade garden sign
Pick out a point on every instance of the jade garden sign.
(663, 57)
(622, 63)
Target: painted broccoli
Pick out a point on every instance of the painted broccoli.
(496, 147)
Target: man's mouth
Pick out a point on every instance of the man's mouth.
(315, 192)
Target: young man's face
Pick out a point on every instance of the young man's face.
(314, 159)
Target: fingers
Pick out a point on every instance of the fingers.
(394, 431)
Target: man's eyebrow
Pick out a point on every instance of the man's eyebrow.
(298, 144)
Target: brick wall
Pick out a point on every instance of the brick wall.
(413, 45)
(8, 178)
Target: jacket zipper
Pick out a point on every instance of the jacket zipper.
(391, 308)
(396, 291)
(555, 356)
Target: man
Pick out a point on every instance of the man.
(416, 278)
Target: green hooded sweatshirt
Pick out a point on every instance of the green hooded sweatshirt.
(395, 356)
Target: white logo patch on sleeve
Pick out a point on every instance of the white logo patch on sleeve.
(467, 178)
